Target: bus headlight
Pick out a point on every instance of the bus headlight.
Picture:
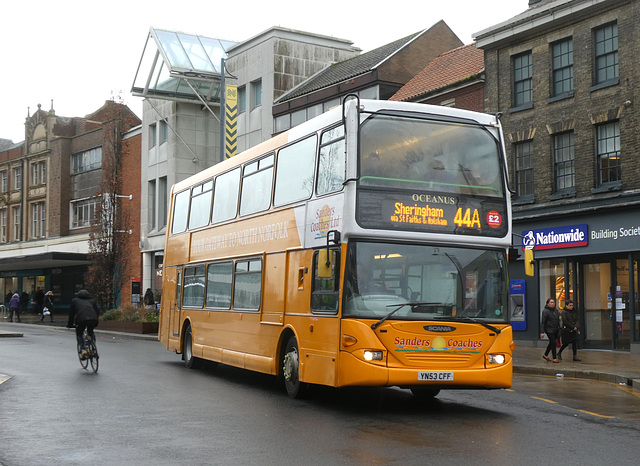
(370, 355)
(496, 358)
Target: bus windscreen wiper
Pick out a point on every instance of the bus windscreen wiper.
(471, 321)
(397, 308)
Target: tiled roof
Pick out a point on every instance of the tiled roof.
(344, 70)
(449, 68)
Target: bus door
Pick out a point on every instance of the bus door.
(318, 325)
(275, 266)
(175, 307)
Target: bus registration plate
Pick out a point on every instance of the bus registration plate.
(440, 376)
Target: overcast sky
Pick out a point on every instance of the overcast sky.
(79, 53)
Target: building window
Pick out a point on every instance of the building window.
(35, 174)
(87, 160)
(3, 225)
(522, 79)
(564, 154)
(163, 134)
(524, 168)
(152, 204)
(606, 53)
(16, 214)
(162, 202)
(242, 99)
(38, 220)
(83, 212)
(4, 181)
(562, 64)
(256, 94)
(152, 135)
(17, 178)
(43, 172)
(608, 152)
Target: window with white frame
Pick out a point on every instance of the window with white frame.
(564, 155)
(16, 213)
(38, 220)
(43, 172)
(523, 154)
(3, 225)
(87, 160)
(17, 178)
(4, 181)
(83, 212)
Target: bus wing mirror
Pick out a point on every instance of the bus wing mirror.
(528, 262)
(324, 263)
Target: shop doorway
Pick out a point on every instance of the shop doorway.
(605, 287)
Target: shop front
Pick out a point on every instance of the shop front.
(592, 260)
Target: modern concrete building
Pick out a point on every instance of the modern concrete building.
(181, 110)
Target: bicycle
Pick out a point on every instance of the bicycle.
(88, 352)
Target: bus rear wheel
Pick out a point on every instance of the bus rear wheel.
(291, 370)
(187, 350)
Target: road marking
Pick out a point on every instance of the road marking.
(4, 378)
(596, 414)
(544, 399)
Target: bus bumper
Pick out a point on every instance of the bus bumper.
(355, 372)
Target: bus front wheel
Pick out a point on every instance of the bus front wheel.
(291, 370)
(187, 350)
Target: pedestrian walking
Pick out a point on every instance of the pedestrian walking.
(550, 326)
(38, 301)
(24, 301)
(47, 308)
(569, 329)
(149, 300)
(14, 307)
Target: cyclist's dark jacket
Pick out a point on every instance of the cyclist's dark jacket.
(83, 308)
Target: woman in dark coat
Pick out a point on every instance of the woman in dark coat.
(569, 329)
(48, 304)
(550, 326)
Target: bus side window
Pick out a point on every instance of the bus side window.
(325, 291)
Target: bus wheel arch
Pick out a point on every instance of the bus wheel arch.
(189, 359)
(290, 366)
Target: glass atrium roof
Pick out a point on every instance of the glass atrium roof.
(181, 67)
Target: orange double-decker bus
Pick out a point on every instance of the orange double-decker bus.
(365, 247)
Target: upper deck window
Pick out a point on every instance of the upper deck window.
(416, 154)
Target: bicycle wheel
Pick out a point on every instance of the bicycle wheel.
(93, 355)
(83, 362)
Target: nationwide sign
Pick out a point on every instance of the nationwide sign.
(555, 238)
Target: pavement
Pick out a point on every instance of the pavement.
(607, 366)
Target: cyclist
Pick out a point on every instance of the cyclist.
(84, 312)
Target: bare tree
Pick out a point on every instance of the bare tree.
(111, 227)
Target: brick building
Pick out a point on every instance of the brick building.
(565, 75)
(49, 190)
(453, 79)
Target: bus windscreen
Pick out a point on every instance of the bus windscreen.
(430, 175)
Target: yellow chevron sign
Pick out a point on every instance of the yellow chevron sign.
(231, 121)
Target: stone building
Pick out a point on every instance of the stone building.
(49, 191)
(564, 74)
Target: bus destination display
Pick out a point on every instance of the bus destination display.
(438, 213)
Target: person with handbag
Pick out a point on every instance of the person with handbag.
(47, 306)
(569, 329)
